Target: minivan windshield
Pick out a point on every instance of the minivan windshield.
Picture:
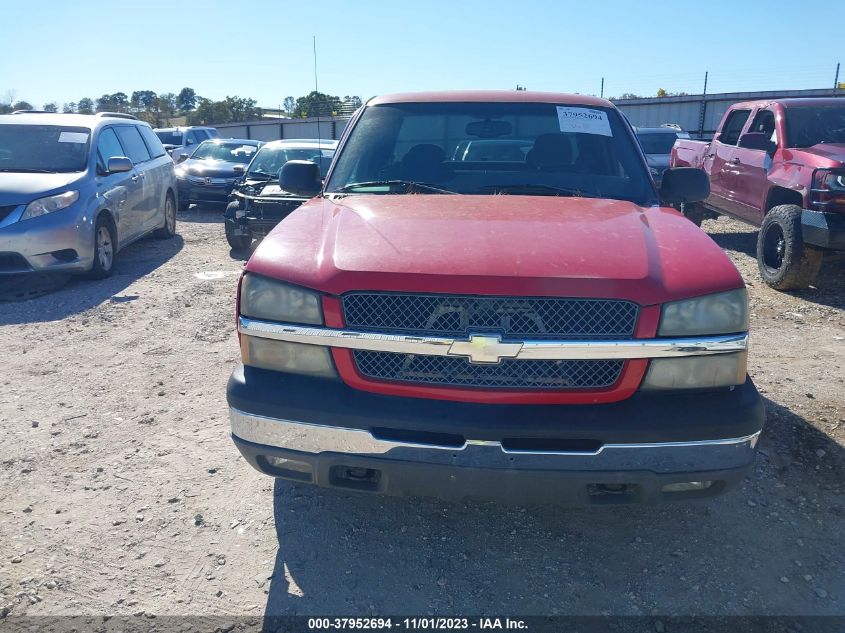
(229, 152)
(43, 148)
(527, 149)
(810, 125)
(270, 160)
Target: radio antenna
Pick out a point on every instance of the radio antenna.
(316, 97)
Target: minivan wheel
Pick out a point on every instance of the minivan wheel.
(104, 249)
(237, 242)
(785, 261)
(169, 228)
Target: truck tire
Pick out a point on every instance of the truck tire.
(237, 242)
(692, 212)
(785, 262)
(169, 229)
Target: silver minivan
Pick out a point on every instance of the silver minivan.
(75, 189)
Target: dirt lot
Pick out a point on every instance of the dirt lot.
(121, 493)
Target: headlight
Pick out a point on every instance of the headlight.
(311, 360)
(263, 298)
(828, 189)
(43, 206)
(721, 313)
(696, 372)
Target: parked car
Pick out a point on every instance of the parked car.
(76, 189)
(258, 203)
(209, 173)
(543, 330)
(778, 165)
(175, 139)
(657, 143)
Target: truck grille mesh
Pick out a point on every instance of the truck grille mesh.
(514, 374)
(513, 318)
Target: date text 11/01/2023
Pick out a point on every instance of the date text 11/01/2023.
(424, 623)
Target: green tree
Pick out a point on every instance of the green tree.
(22, 105)
(317, 104)
(229, 110)
(186, 100)
(143, 99)
(69, 108)
(661, 92)
(51, 107)
(290, 104)
(85, 106)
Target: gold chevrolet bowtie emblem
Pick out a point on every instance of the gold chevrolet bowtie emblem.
(484, 349)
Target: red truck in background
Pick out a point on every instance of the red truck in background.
(779, 165)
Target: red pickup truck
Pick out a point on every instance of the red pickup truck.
(528, 322)
(779, 165)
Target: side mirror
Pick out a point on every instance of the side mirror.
(182, 158)
(301, 178)
(119, 165)
(684, 184)
(239, 169)
(759, 141)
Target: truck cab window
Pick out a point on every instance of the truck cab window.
(733, 126)
(764, 123)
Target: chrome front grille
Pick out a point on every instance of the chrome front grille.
(509, 374)
(511, 318)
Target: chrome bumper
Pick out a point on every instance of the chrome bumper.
(661, 458)
(491, 349)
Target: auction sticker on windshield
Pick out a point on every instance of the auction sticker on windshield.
(583, 120)
(73, 137)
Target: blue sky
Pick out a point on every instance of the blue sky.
(55, 50)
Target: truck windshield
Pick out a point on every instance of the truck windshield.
(269, 160)
(810, 125)
(43, 148)
(229, 152)
(489, 149)
(656, 142)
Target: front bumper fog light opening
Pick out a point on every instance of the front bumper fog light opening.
(688, 486)
(286, 468)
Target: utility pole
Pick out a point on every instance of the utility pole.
(602, 88)
(836, 79)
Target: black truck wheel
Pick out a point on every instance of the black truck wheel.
(237, 242)
(785, 261)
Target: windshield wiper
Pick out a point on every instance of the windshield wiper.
(258, 176)
(537, 188)
(410, 186)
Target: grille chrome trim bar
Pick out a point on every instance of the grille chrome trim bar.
(530, 350)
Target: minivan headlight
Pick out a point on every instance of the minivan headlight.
(270, 300)
(720, 313)
(43, 206)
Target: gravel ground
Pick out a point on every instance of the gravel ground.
(121, 493)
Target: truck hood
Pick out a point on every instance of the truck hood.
(20, 188)
(495, 245)
(831, 151)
